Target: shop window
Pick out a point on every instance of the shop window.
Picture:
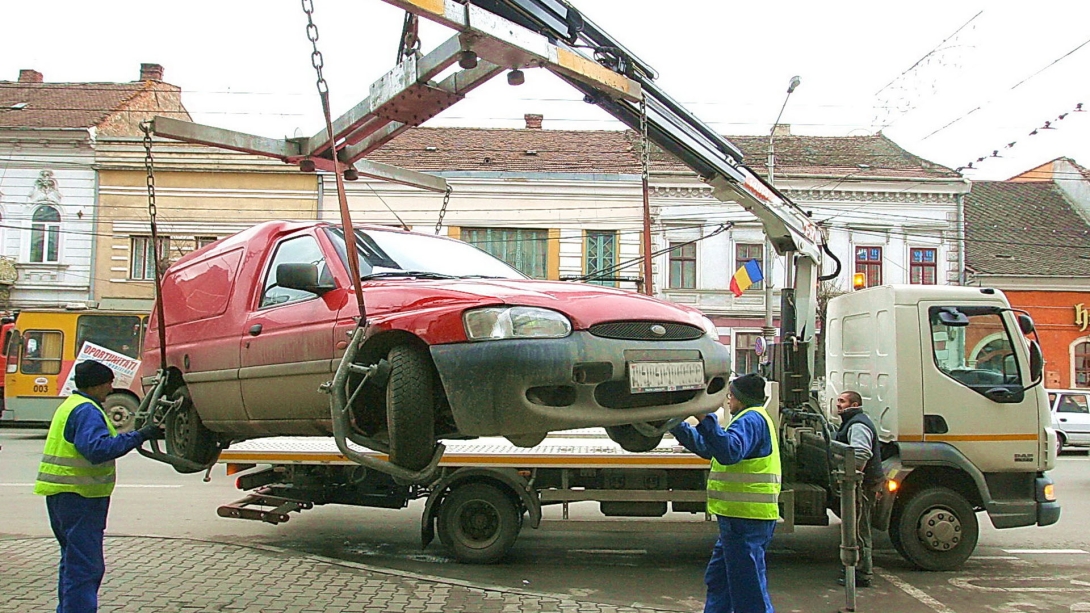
(682, 265)
(922, 266)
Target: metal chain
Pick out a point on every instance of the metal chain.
(316, 59)
(149, 166)
(645, 144)
(443, 209)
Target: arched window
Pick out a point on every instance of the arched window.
(1080, 360)
(45, 234)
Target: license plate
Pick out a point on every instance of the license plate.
(646, 377)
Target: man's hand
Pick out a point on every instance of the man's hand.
(695, 419)
(151, 432)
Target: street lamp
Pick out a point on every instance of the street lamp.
(769, 332)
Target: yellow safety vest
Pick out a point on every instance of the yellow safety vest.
(63, 469)
(749, 489)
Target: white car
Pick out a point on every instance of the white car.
(1070, 417)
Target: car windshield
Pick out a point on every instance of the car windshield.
(405, 254)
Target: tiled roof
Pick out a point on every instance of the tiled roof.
(1025, 229)
(63, 105)
(499, 150)
(610, 151)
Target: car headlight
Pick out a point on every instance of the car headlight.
(709, 327)
(493, 323)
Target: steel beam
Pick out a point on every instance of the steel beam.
(395, 174)
(190, 132)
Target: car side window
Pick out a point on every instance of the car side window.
(299, 250)
(1073, 403)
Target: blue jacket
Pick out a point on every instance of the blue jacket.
(86, 429)
(746, 437)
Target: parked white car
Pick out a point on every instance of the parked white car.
(1070, 417)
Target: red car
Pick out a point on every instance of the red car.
(467, 345)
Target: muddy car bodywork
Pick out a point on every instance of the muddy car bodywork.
(249, 351)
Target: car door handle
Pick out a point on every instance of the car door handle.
(1063, 419)
(255, 329)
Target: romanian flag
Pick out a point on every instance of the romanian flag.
(747, 275)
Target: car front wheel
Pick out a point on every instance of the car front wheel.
(410, 412)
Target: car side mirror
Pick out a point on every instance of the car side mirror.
(1036, 361)
(1025, 323)
(302, 277)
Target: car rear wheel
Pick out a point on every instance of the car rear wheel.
(121, 409)
(630, 440)
(186, 436)
(410, 411)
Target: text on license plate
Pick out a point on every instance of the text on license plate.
(665, 376)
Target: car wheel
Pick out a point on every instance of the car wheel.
(121, 409)
(937, 529)
(186, 436)
(410, 412)
(1059, 444)
(479, 522)
(630, 440)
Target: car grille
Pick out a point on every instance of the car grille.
(641, 331)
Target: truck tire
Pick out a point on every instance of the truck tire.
(410, 412)
(186, 436)
(937, 529)
(121, 409)
(630, 440)
(479, 522)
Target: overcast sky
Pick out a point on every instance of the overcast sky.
(865, 66)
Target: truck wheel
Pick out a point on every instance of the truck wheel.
(121, 409)
(479, 522)
(630, 440)
(895, 536)
(410, 413)
(186, 436)
(937, 529)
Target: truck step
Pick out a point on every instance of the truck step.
(279, 513)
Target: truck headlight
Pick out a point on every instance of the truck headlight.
(709, 327)
(494, 323)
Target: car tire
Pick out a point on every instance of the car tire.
(630, 440)
(185, 434)
(937, 529)
(1059, 444)
(410, 410)
(479, 522)
(121, 409)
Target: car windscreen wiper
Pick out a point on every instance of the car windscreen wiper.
(481, 277)
(420, 274)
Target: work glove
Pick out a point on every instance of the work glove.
(152, 431)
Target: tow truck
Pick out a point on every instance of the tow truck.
(961, 431)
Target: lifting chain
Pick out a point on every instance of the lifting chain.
(410, 37)
(318, 62)
(645, 143)
(149, 166)
(443, 209)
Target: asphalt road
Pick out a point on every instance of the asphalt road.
(1019, 570)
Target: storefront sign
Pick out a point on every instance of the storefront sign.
(1082, 317)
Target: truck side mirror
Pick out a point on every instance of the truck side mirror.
(1025, 323)
(1036, 361)
(953, 318)
(303, 277)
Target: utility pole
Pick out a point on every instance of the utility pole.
(768, 331)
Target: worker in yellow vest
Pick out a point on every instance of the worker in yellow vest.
(743, 493)
(77, 477)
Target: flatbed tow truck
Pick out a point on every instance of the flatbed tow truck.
(487, 489)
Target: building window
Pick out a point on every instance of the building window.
(45, 235)
(868, 260)
(746, 252)
(143, 259)
(601, 255)
(1081, 357)
(745, 356)
(526, 250)
(922, 267)
(204, 241)
(682, 265)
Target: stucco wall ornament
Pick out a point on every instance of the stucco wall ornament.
(45, 188)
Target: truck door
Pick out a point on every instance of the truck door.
(974, 370)
(287, 344)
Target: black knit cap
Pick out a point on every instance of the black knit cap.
(91, 373)
(750, 389)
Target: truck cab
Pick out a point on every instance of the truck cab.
(952, 382)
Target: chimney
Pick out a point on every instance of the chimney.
(151, 72)
(27, 75)
(781, 129)
(533, 121)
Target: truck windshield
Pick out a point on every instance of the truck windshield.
(383, 252)
(979, 353)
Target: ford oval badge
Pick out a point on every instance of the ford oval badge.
(658, 330)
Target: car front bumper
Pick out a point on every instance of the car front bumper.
(526, 386)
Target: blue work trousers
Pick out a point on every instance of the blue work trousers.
(79, 524)
(736, 573)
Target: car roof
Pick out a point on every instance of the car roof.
(1082, 391)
